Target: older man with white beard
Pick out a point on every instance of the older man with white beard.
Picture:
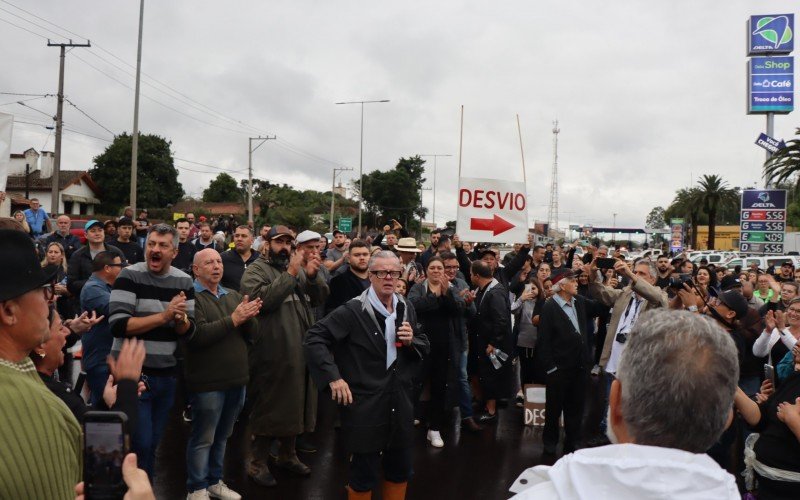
(670, 403)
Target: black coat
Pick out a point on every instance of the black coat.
(559, 345)
(349, 344)
(491, 325)
(233, 268)
(79, 267)
(343, 287)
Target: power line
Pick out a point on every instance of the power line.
(43, 19)
(24, 29)
(22, 101)
(89, 117)
(24, 95)
(33, 23)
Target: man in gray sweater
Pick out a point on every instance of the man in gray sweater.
(216, 372)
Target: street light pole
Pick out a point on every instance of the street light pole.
(361, 157)
(435, 157)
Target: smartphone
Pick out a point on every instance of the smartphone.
(528, 287)
(769, 373)
(106, 442)
(605, 263)
(78, 388)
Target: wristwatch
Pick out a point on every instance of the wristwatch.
(692, 309)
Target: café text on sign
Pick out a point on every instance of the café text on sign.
(492, 210)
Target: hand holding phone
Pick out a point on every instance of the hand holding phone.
(106, 442)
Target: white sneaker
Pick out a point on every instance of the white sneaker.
(436, 439)
(198, 495)
(221, 490)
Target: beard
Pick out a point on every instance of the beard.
(279, 259)
(610, 430)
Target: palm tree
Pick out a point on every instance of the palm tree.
(715, 194)
(784, 164)
(687, 204)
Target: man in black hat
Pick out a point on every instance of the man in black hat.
(565, 353)
(28, 407)
(787, 272)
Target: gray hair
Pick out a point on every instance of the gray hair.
(383, 254)
(678, 374)
(650, 267)
(162, 229)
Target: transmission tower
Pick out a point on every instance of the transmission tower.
(552, 212)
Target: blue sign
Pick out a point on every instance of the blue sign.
(770, 34)
(770, 144)
(766, 199)
(770, 85)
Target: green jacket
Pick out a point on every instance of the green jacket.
(284, 397)
(216, 354)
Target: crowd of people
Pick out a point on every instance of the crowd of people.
(254, 327)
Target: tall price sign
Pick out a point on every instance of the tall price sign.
(762, 227)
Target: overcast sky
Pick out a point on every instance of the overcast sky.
(649, 95)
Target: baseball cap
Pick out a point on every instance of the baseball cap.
(734, 301)
(278, 231)
(90, 224)
(307, 236)
(560, 274)
(729, 282)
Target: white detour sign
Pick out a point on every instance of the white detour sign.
(492, 210)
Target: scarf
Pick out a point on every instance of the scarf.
(390, 334)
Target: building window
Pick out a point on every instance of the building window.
(67, 207)
(82, 208)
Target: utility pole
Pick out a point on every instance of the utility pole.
(59, 119)
(333, 195)
(421, 205)
(135, 137)
(250, 149)
(435, 157)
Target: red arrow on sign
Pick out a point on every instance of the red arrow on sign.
(497, 225)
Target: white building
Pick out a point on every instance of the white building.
(78, 193)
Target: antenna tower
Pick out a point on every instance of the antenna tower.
(552, 211)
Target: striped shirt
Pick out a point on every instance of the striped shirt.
(138, 292)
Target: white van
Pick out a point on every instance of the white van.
(763, 262)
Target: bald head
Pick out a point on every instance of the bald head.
(207, 268)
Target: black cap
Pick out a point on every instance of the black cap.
(336, 231)
(22, 271)
(729, 282)
(277, 231)
(734, 301)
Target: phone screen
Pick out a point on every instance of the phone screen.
(104, 450)
(605, 263)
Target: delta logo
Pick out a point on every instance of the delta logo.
(776, 31)
(764, 198)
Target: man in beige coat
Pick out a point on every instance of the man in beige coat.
(628, 305)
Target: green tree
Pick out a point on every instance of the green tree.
(784, 165)
(223, 188)
(156, 179)
(395, 194)
(655, 218)
(715, 194)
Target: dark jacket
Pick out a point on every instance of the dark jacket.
(79, 268)
(492, 322)
(343, 287)
(233, 268)
(127, 399)
(70, 242)
(559, 345)
(133, 252)
(350, 344)
(216, 353)
(185, 257)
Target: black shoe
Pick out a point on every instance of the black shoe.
(294, 465)
(303, 445)
(470, 424)
(487, 418)
(260, 474)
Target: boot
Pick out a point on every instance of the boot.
(287, 457)
(358, 495)
(257, 468)
(394, 491)
(470, 424)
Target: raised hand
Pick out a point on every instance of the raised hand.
(770, 322)
(245, 310)
(128, 365)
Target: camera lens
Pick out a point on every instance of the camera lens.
(622, 338)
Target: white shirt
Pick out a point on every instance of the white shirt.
(626, 322)
(764, 343)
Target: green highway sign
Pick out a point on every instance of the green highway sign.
(345, 224)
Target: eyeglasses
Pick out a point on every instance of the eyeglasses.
(121, 264)
(49, 291)
(450, 268)
(383, 274)
(793, 310)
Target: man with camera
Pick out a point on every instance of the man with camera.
(628, 304)
(284, 400)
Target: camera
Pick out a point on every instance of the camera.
(677, 282)
(621, 337)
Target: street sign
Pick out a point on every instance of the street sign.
(492, 210)
(676, 235)
(345, 224)
(770, 84)
(770, 34)
(763, 221)
(770, 144)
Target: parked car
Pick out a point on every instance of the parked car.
(76, 228)
(763, 262)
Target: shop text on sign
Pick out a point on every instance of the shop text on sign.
(492, 210)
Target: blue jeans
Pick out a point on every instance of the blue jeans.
(465, 393)
(604, 422)
(154, 406)
(96, 379)
(213, 417)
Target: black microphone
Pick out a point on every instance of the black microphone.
(400, 309)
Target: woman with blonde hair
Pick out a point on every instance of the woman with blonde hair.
(20, 217)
